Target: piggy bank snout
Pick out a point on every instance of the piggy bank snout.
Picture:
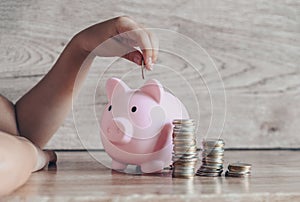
(119, 131)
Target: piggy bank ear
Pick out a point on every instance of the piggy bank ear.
(115, 85)
(154, 89)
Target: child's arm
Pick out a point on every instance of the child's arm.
(43, 109)
(129, 34)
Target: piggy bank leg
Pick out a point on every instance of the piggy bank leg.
(152, 166)
(116, 165)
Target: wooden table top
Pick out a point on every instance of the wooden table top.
(77, 176)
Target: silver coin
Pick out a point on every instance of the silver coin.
(184, 171)
(186, 153)
(213, 154)
(213, 158)
(184, 126)
(211, 167)
(185, 148)
(212, 164)
(209, 171)
(143, 69)
(188, 172)
(213, 144)
(184, 141)
(212, 140)
(184, 136)
(238, 166)
(239, 173)
(202, 170)
(186, 159)
(183, 159)
(188, 126)
(182, 131)
(208, 174)
(188, 164)
(179, 126)
(178, 168)
(181, 156)
(212, 148)
(191, 169)
(183, 120)
(236, 175)
(177, 133)
(183, 176)
(205, 161)
(183, 145)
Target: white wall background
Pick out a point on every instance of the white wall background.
(255, 45)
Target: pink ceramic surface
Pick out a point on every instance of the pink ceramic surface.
(136, 125)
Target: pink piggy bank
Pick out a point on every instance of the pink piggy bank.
(136, 125)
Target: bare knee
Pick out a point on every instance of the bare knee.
(17, 160)
(8, 121)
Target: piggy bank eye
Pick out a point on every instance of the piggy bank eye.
(133, 109)
(109, 108)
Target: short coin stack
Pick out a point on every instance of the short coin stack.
(238, 170)
(212, 158)
(185, 154)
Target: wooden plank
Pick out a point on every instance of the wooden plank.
(255, 46)
(78, 177)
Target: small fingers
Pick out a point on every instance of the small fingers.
(147, 42)
(134, 56)
(155, 45)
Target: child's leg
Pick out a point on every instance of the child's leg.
(18, 156)
(18, 159)
(7, 117)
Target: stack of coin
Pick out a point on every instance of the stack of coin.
(185, 154)
(238, 170)
(212, 158)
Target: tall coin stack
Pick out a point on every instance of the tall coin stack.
(212, 158)
(185, 154)
(238, 170)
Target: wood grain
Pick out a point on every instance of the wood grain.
(255, 45)
(78, 177)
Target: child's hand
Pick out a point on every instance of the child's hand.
(128, 34)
